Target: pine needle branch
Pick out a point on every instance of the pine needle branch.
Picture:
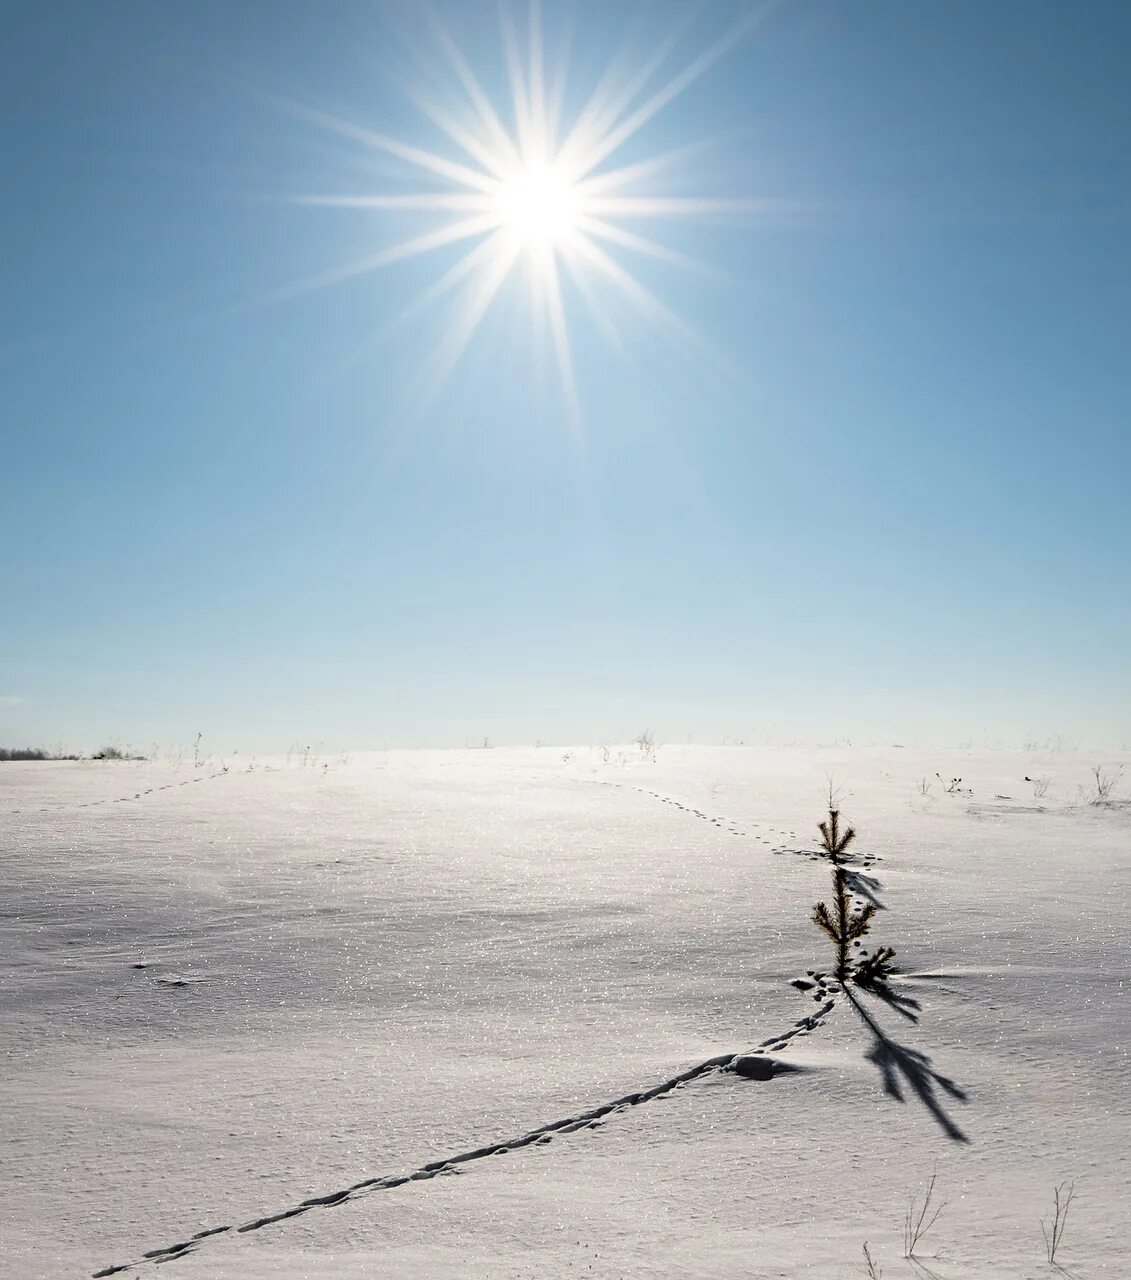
(823, 920)
(858, 924)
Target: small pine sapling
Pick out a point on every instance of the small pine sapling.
(846, 922)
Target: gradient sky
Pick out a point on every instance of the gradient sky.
(892, 506)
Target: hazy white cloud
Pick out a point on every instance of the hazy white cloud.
(11, 700)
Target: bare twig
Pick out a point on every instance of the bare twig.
(1106, 780)
(834, 792)
(1063, 1195)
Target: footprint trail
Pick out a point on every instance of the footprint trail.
(136, 795)
(747, 1065)
(761, 832)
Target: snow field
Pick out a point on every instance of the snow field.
(360, 971)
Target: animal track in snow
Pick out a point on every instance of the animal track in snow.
(741, 1064)
(723, 824)
(137, 795)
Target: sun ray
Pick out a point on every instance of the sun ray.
(678, 206)
(594, 303)
(520, 93)
(455, 341)
(615, 179)
(494, 162)
(411, 248)
(614, 95)
(422, 202)
(560, 333)
(475, 259)
(454, 172)
(647, 304)
(615, 138)
(536, 83)
(555, 95)
(497, 135)
(684, 339)
(599, 229)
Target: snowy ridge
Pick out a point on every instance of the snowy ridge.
(545, 1133)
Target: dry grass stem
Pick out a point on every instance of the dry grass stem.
(919, 1219)
(1053, 1232)
(874, 1272)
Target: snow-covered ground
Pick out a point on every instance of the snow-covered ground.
(224, 994)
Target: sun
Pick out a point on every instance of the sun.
(524, 192)
(538, 206)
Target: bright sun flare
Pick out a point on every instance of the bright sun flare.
(539, 206)
(528, 196)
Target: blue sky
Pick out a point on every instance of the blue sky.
(891, 506)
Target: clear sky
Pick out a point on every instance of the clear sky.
(877, 490)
